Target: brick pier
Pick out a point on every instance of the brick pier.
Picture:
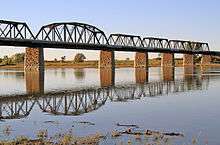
(206, 60)
(34, 59)
(141, 60)
(188, 59)
(107, 60)
(167, 60)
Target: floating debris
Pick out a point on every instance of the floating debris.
(150, 132)
(127, 125)
(84, 122)
(52, 122)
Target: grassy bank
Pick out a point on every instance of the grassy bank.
(94, 64)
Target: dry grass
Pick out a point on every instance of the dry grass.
(94, 64)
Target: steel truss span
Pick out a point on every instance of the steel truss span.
(84, 36)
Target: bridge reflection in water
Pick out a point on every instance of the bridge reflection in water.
(87, 100)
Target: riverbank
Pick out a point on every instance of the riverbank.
(95, 63)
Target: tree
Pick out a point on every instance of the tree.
(6, 60)
(79, 57)
(18, 58)
(63, 58)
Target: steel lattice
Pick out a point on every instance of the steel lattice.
(72, 33)
(15, 30)
(84, 36)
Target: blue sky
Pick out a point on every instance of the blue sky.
(197, 20)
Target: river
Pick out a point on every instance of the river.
(186, 102)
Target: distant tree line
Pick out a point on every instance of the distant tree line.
(19, 58)
(79, 57)
(14, 59)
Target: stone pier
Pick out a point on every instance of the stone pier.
(188, 59)
(34, 81)
(141, 67)
(107, 68)
(206, 60)
(107, 60)
(141, 60)
(167, 60)
(34, 59)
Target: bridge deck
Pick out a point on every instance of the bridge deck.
(84, 46)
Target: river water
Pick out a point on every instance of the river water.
(181, 100)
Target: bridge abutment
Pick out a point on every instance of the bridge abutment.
(167, 60)
(188, 59)
(107, 60)
(34, 59)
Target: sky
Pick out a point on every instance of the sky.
(197, 20)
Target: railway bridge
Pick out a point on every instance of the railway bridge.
(73, 35)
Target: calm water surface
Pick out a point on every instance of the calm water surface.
(187, 103)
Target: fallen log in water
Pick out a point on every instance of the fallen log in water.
(150, 132)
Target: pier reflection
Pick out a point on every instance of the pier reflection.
(34, 81)
(141, 75)
(107, 77)
(78, 102)
(168, 73)
(79, 74)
